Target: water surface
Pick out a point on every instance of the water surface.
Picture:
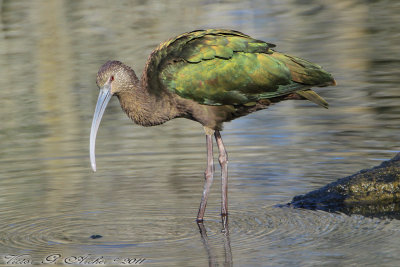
(143, 200)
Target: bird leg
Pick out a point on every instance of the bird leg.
(223, 161)
(208, 175)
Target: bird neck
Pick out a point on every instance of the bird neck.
(145, 108)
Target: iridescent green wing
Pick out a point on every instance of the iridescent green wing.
(243, 78)
(220, 67)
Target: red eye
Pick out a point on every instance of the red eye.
(112, 78)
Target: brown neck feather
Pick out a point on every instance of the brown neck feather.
(144, 108)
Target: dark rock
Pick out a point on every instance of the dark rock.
(370, 192)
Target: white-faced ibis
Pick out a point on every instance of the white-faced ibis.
(209, 76)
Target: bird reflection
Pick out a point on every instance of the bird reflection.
(212, 259)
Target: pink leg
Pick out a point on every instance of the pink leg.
(223, 161)
(209, 177)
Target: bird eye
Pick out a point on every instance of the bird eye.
(112, 78)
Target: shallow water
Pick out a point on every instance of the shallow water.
(143, 199)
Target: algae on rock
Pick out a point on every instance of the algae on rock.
(370, 192)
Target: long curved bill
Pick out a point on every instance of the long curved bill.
(104, 97)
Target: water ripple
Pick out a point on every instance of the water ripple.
(116, 230)
(289, 229)
(259, 232)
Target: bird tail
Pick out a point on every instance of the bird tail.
(313, 97)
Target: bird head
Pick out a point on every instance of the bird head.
(113, 78)
(116, 75)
